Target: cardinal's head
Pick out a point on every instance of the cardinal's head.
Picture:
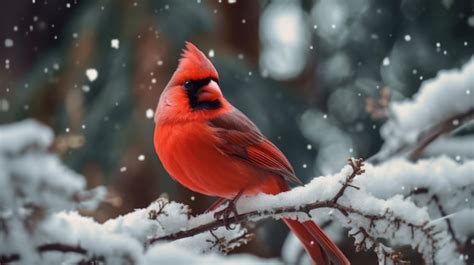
(193, 90)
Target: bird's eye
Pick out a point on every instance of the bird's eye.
(188, 84)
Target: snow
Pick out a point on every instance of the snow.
(211, 53)
(461, 146)
(33, 184)
(92, 74)
(39, 199)
(470, 21)
(8, 43)
(149, 113)
(431, 105)
(389, 189)
(115, 43)
(184, 256)
(4, 105)
(18, 136)
(38, 193)
(452, 183)
(86, 88)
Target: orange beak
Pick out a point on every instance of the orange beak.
(209, 92)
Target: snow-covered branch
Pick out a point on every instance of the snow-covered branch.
(426, 205)
(442, 105)
(47, 228)
(368, 218)
(39, 198)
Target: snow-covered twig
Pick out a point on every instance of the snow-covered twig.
(442, 105)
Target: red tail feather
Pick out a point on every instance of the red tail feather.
(332, 252)
(317, 244)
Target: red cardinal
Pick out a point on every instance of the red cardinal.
(210, 147)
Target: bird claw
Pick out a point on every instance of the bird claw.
(225, 215)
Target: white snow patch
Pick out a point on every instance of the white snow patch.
(432, 104)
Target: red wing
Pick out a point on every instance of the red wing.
(242, 139)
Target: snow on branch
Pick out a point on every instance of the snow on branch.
(442, 105)
(39, 224)
(369, 219)
(444, 186)
(394, 204)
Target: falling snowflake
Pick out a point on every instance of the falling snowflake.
(92, 74)
(86, 88)
(115, 43)
(8, 43)
(4, 105)
(149, 113)
(211, 53)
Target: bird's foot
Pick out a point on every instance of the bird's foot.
(230, 211)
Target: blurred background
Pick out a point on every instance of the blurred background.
(309, 73)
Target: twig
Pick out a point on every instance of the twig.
(448, 221)
(387, 253)
(356, 165)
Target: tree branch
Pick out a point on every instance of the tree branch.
(53, 247)
(440, 129)
(244, 217)
(425, 139)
